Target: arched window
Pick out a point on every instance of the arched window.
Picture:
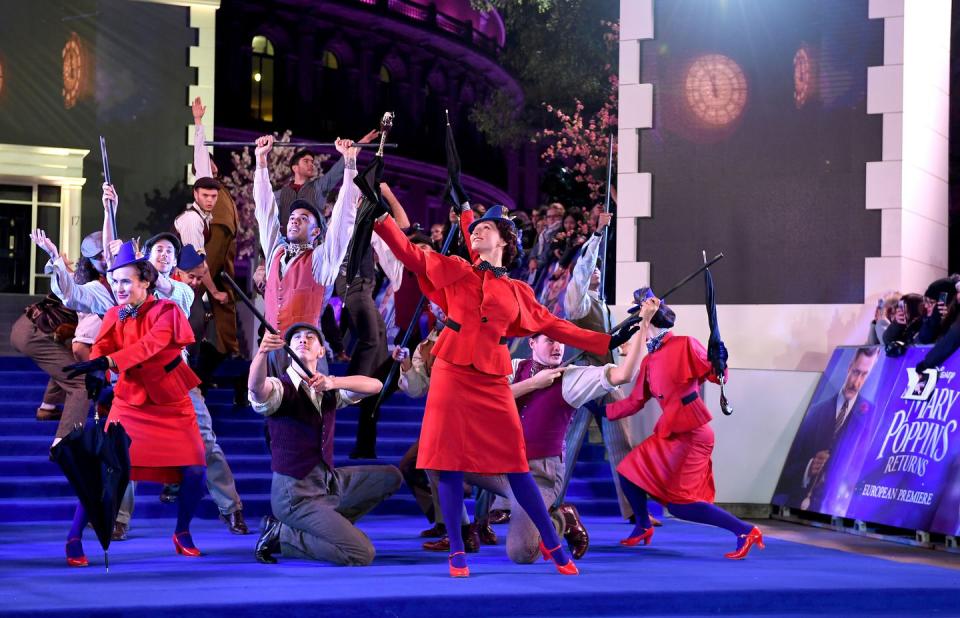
(330, 60)
(261, 78)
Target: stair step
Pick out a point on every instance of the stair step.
(33, 488)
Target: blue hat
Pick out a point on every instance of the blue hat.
(126, 256)
(663, 318)
(494, 213)
(189, 258)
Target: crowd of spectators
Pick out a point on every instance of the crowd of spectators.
(903, 320)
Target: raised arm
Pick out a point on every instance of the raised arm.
(576, 303)
(534, 318)
(328, 257)
(409, 255)
(265, 210)
(263, 392)
(466, 218)
(201, 158)
(110, 203)
(324, 183)
(89, 298)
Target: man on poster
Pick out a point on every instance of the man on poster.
(806, 469)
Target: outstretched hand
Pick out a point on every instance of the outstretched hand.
(77, 369)
(624, 333)
(198, 109)
(40, 238)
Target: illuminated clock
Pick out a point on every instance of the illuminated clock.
(803, 76)
(74, 70)
(715, 90)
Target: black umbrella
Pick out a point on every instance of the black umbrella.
(714, 343)
(96, 462)
(368, 181)
(453, 180)
(452, 189)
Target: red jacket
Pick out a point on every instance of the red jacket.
(482, 310)
(146, 350)
(673, 374)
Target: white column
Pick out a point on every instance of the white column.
(912, 92)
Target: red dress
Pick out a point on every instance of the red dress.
(151, 398)
(471, 423)
(673, 464)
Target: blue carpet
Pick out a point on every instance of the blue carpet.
(681, 573)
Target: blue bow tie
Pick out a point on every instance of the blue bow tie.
(654, 344)
(128, 311)
(498, 271)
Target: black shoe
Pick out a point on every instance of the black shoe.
(437, 531)
(269, 541)
(362, 453)
(235, 522)
(168, 495)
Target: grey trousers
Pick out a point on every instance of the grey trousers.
(523, 538)
(614, 439)
(220, 482)
(317, 513)
(52, 357)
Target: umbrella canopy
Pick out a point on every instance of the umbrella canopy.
(453, 168)
(711, 303)
(715, 343)
(96, 462)
(368, 181)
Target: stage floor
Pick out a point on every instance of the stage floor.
(682, 572)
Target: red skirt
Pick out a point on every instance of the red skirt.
(163, 438)
(471, 423)
(677, 469)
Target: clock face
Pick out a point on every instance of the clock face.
(716, 90)
(73, 70)
(802, 76)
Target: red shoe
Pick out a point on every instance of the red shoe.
(564, 569)
(754, 537)
(191, 552)
(458, 571)
(76, 561)
(644, 538)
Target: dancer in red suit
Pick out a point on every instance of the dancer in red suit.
(471, 422)
(673, 465)
(142, 340)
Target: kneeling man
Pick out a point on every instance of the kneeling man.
(314, 505)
